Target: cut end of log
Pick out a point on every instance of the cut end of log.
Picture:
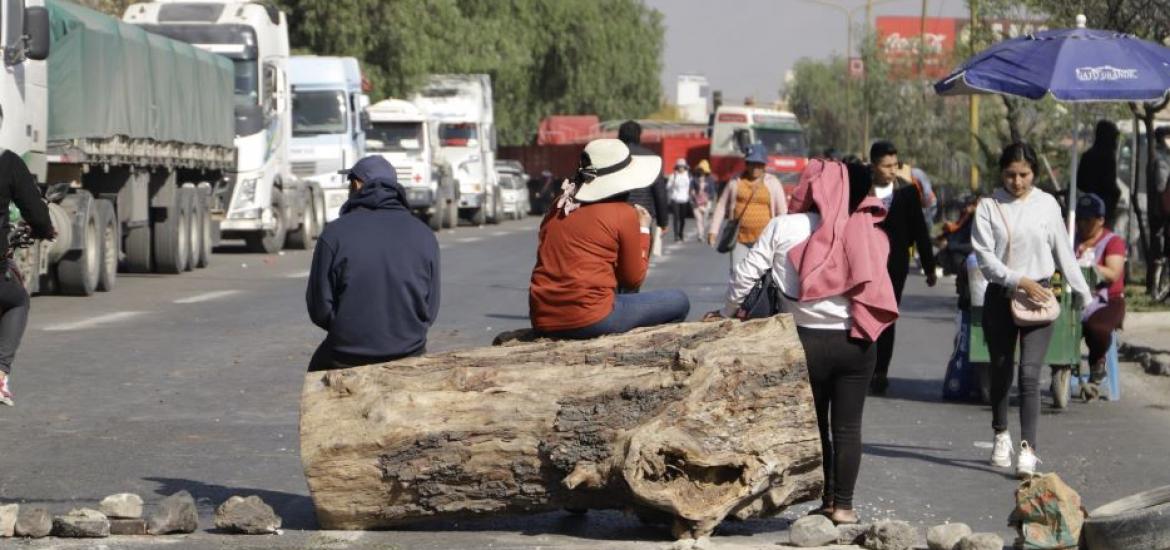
(700, 421)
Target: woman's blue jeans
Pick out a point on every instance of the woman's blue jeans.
(630, 311)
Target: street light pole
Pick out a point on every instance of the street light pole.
(973, 150)
(865, 85)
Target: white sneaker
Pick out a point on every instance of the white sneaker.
(1001, 452)
(5, 392)
(1026, 462)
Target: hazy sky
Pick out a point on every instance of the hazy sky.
(744, 47)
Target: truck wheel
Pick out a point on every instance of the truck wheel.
(435, 218)
(451, 215)
(479, 217)
(194, 231)
(78, 272)
(494, 211)
(203, 258)
(271, 242)
(111, 238)
(138, 257)
(172, 238)
(303, 237)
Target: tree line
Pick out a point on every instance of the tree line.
(545, 57)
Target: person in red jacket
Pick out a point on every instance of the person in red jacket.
(594, 251)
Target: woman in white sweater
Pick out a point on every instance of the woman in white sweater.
(1039, 244)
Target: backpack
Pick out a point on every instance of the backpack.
(1048, 514)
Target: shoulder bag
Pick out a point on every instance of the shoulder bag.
(729, 234)
(1026, 311)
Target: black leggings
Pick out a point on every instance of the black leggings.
(839, 369)
(13, 318)
(678, 210)
(1001, 332)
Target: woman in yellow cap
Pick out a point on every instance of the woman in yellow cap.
(702, 193)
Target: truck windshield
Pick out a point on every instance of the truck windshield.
(394, 136)
(247, 82)
(319, 112)
(786, 142)
(458, 134)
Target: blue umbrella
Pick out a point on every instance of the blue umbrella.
(1074, 65)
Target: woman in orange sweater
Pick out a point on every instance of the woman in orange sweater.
(593, 246)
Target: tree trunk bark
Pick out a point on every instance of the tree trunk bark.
(701, 421)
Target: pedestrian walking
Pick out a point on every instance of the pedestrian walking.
(1020, 241)
(1103, 252)
(905, 226)
(17, 186)
(678, 187)
(751, 201)
(702, 195)
(654, 197)
(595, 244)
(828, 259)
(374, 283)
(1097, 170)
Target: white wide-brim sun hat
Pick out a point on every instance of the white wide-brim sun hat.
(617, 170)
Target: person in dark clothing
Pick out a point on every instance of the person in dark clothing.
(653, 198)
(374, 284)
(905, 226)
(17, 186)
(1097, 170)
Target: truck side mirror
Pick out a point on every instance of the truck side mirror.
(36, 26)
(364, 119)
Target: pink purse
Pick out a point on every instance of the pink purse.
(1026, 311)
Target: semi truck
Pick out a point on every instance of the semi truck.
(737, 127)
(402, 134)
(104, 115)
(329, 123)
(461, 105)
(260, 200)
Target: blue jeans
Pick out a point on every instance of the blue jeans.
(630, 311)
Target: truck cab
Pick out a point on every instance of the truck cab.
(461, 106)
(329, 122)
(261, 201)
(402, 134)
(737, 127)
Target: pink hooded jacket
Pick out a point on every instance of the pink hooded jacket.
(846, 255)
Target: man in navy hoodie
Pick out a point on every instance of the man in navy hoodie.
(374, 285)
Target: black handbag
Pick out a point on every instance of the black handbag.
(762, 301)
(729, 234)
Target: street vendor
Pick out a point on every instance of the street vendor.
(1104, 252)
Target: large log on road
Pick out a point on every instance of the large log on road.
(700, 421)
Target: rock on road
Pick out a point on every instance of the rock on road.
(192, 383)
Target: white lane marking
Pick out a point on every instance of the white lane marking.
(94, 321)
(206, 296)
(469, 240)
(983, 444)
(500, 233)
(297, 275)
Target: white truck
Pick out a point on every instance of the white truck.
(461, 105)
(261, 201)
(329, 123)
(401, 133)
(106, 122)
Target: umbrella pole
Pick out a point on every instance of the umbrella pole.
(1072, 184)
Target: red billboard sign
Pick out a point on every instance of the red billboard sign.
(902, 41)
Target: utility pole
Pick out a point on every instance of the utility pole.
(865, 83)
(974, 145)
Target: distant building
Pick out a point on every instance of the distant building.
(692, 93)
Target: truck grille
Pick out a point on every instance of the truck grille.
(404, 175)
(304, 169)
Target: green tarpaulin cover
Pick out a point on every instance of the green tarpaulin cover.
(108, 78)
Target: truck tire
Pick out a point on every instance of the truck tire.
(495, 211)
(111, 240)
(304, 236)
(271, 242)
(206, 240)
(194, 231)
(1136, 521)
(138, 250)
(172, 238)
(435, 217)
(78, 271)
(479, 216)
(451, 215)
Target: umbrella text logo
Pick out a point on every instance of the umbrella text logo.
(1107, 72)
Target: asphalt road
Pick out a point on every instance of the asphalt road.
(192, 382)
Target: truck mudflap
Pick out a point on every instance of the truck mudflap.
(77, 205)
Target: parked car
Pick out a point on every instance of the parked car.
(513, 189)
